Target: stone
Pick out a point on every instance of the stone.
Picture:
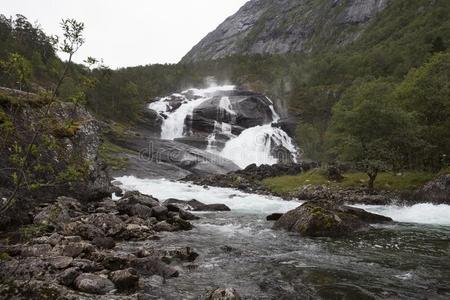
(185, 215)
(36, 250)
(160, 212)
(327, 219)
(141, 211)
(127, 280)
(164, 226)
(60, 262)
(150, 266)
(109, 223)
(68, 276)
(104, 242)
(85, 230)
(180, 224)
(274, 217)
(86, 265)
(436, 191)
(93, 284)
(223, 294)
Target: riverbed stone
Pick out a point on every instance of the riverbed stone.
(127, 279)
(223, 294)
(93, 284)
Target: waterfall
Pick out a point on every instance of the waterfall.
(253, 145)
(174, 124)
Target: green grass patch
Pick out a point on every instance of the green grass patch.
(384, 181)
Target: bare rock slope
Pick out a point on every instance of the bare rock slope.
(286, 26)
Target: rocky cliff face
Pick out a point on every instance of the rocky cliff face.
(285, 26)
(63, 160)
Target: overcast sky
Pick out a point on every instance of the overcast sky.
(130, 32)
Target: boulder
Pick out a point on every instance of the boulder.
(180, 224)
(223, 294)
(104, 242)
(126, 204)
(141, 211)
(150, 266)
(127, 280)
(60, 262)
(274, 217)
(195, 205)
(109, 223)
(327, 219)
(160, 212)
(68, 276)
(436, 191)
(185, 215)
(85, 230)
(93, 284)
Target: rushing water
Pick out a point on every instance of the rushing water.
(253, 145)
(405, 260)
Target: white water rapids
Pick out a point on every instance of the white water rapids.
(238, 201)
(239, 249)
(253, 145)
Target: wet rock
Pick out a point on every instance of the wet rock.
(141, 211)
(185, 215)
(172, 207)
(160, 212)
(327, 219)
(86, 265)
(136, 232)
(196, 205)
(68, 276)
(127, 280)
(93, 284)
(150, 266)
(60, 262)
(114, 261)
(110, 224)
(104, 242)
(274, 217)
(126, 203)
(223, 294)
(164, 226)
(180, 224)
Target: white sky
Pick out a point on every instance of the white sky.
(130, 32)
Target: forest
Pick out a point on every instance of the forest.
(337, 98)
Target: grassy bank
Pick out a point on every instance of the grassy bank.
(385, 181)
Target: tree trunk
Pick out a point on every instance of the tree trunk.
(372, 176)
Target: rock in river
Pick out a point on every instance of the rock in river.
(327, 219)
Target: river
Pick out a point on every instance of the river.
(409, 259)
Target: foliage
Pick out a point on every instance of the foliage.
(385, 181)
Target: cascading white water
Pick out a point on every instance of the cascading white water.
(424, 213)
(253, 145)
(173, 126)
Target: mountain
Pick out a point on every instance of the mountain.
(286, 26)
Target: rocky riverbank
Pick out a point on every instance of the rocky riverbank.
(77, 251)
(250, 179)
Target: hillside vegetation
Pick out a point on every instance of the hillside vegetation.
(379, 103)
